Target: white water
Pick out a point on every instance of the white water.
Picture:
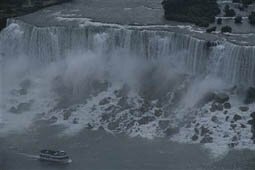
(66, 65)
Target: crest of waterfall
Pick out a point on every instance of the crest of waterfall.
(43, 45)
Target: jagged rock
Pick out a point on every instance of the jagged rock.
(235, 138)
(131, 124)
(214, 119)
(122, 92)
(221, 98)
(171, 131)
(226, 119)
(53, 119)
(212, 109)
(204, 131)
(208, 97)
(227, 105)
(217, 106)
(110, 108)
(106, 117)
(251, 122)
(66, 114)
(207, 139)
(244, 108)
(105, 101)
(113, 125)
(237, 117)
(89, 126)
(243, 126)
(76, 120)
(146, 120)
(232, 145)
(194, 137)
(145, 107)
(211, 44)
(163, 124)
(252, 115)
(233, 126)
(158, 112)
(196, 130)
(250, 95)
(13, 110)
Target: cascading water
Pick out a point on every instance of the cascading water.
(133, 80)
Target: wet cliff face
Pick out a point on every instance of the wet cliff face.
(132, 80)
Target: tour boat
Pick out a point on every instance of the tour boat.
(54, 156)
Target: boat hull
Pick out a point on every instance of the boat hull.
(65, 161)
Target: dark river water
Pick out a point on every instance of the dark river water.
(99, 150)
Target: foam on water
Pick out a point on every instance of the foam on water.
(123, 79)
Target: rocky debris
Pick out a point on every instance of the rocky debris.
(227, 105)
(214, 119)
(145, 107)
(226, 119)
(208, 97)
(76, 120)
(123, 103)
(196, 130)
(146, 120)
(252, 115)
(89, 126)
(233, 126)
(243, 126)
(106, 117)
(66, 114)
(113, 125)
(122, 92)
(163, 124)
(244, 108)
(105, 101)
(130, 124)
(204, 131)
(158, 112)
(221, 98)
(216, 107)
(237, 117)
(232, 144)
(250, 95)
(171, 131)
(22, 107)
(252, 123)
(53, 119)
(97, 87)
(194, 137)
(13, 109)
(212, 43)
(207, 139)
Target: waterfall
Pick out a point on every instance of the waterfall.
(233, 63)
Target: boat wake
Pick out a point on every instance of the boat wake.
(33, 157)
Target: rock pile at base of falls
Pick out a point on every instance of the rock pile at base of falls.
(250, 95)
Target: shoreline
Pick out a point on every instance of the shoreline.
(12, 12)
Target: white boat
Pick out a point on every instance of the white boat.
(54, 156)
